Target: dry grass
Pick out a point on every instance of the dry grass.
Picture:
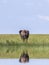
(11, 46)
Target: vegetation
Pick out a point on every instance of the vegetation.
(11, 46)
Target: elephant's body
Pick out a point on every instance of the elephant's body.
(24, 57)
(24, 34)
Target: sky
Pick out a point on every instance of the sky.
(32, 15)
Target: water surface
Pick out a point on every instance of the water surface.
(31, 62)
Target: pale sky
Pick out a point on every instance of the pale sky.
(32, 15)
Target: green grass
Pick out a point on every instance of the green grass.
(11, 46)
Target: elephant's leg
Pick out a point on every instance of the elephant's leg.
(23, 40)
(26, 40)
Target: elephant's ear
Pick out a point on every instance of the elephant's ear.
(28, 31)
(20, 31)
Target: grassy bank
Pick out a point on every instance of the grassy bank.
(11, 46)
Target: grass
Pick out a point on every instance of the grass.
(11, 46)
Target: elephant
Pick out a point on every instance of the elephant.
(24, 57)
(24, 34)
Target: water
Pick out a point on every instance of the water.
(31, 62)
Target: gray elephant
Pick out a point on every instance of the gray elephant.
(24, 57)
(24, 34)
